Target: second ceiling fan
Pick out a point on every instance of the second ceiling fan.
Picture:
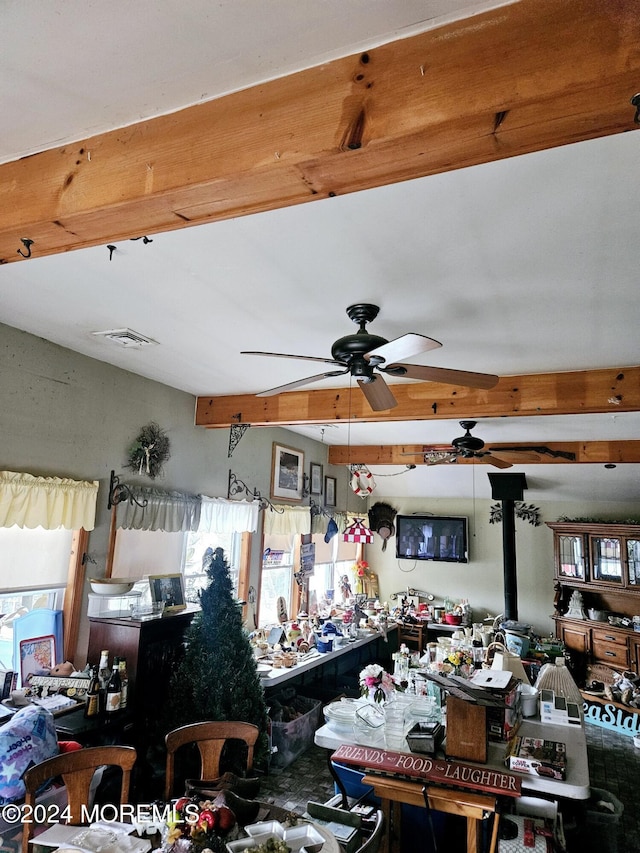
(367, 357)
(469, 446)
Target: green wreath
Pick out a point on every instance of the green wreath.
(149, 451)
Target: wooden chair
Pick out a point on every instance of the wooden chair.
(372, 842)
(412, 635)
(210, 738)
(76, 769)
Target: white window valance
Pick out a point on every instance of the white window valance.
(48, 502)
(287, 520)
(220, 515)
(164, 510)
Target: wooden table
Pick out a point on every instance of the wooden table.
(474, 807)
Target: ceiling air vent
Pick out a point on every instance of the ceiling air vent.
(126, 338)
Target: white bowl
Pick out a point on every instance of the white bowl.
(111, 586)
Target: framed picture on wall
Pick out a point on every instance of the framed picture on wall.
(287, 473)
(169, 589)
(315, 479)
(330, 491)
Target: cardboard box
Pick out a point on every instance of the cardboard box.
(539, 757)
(503, 723)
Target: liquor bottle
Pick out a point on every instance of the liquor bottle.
(114, 689)
(124, 684)
(104, 674)
(92, 704)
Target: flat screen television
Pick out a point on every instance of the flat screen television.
(432, 537)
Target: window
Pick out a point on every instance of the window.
(280, 561)
(35, 569)
(195, 544)
(277, 575)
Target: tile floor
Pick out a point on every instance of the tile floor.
(614, 766)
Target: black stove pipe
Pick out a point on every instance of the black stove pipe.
(509, 560)
(509, 488)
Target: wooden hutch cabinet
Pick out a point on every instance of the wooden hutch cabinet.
(602, 561)
(152, 649)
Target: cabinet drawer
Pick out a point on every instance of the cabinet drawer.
(601, 635)
(613, 654)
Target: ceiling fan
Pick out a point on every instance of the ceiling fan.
(469, 446)
(367, 357)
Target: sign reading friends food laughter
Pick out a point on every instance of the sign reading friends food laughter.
(427, 768)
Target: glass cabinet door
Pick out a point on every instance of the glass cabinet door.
(606, 556)
(633, 561)
(571, 563)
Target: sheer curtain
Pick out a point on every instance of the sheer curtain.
(164, 510)
(48, 502)
(220, 515)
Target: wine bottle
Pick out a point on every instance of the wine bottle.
(104, 674)
(92, 704)
(124, 684)
(114, 689)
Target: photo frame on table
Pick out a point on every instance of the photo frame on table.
(37, 655)
(168, 589)
(315, 478)
(287, 473)
(329, 491)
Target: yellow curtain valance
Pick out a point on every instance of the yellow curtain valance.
(288, 520)
(48, 502)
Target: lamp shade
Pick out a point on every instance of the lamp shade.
(358, 532)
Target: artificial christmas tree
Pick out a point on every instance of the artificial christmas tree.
(217, 678)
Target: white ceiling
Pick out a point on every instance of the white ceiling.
(519, 266)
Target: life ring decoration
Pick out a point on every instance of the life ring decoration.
(149, 451)
(362, 483)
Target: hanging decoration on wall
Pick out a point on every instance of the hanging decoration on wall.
(381, 516)
(149, 451)
(527, 512)
(235, 434)
(362, 482)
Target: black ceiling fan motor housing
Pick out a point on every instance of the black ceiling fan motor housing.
(468, 444)
(351, 349)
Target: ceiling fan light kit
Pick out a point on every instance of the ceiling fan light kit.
(366, 357)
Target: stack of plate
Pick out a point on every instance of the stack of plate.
(341, 715)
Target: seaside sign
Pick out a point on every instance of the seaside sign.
(609, 715)
(426, 768)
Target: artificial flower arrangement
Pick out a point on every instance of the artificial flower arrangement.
(200, 823)
(458, 659)
(377, 683)
(361, 571)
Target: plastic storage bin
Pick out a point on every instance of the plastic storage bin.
(112, 606)
(289, 740)
(603, 821)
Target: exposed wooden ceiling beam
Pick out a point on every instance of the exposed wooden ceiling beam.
(585, 452)
(571, 393)
(517, 79)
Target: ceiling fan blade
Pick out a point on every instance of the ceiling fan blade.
(443, 374)
(522, 456)
(497, 463)
(403, 347)
(291, 386)
(287, 355)
(378, 394)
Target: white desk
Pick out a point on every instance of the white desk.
(575, 786)
(281, 675)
